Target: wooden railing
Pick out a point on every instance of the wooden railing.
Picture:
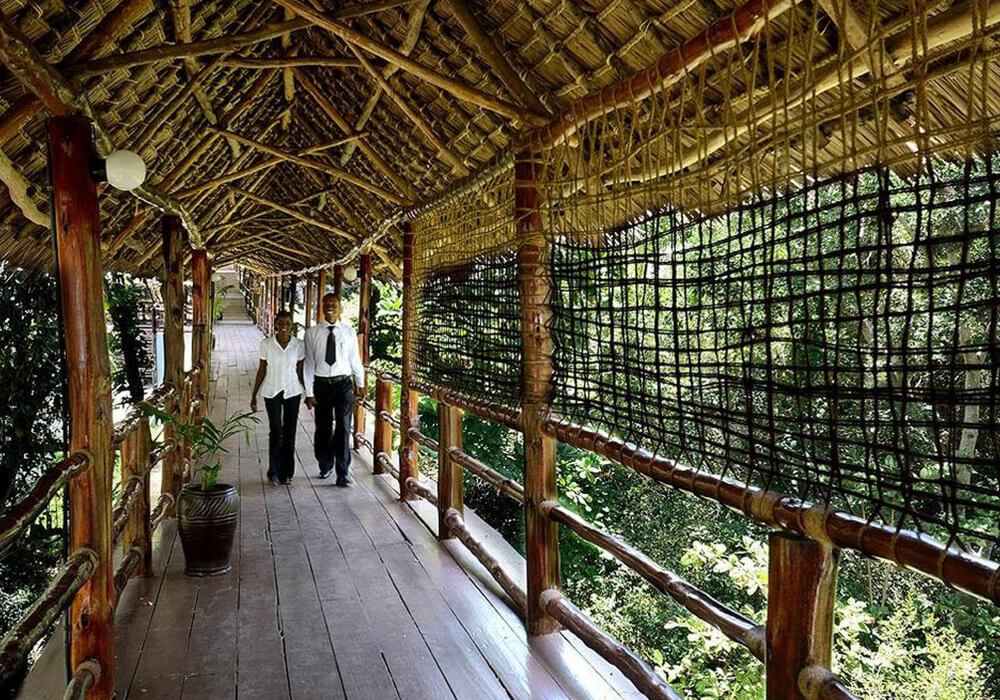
(814, 681)
(133, 524)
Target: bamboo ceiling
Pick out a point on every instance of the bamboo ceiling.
(288, 145)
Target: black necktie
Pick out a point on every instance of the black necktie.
(331, 348)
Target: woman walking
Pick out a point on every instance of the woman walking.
(279, 376)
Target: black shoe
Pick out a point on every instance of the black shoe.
(325, 474)
(343, 482)
(285, 482)
(273, 479)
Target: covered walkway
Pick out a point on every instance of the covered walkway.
(335, 593)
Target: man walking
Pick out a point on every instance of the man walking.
(332, 368)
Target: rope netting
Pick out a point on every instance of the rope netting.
(467, 321)
(779, 265)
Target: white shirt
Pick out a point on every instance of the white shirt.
(348, 355)
(281, 362)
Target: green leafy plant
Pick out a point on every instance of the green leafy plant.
(206, 439)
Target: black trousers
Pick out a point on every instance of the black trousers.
(282, 415)
(334, 418)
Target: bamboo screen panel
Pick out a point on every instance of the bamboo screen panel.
(782, 268)
(468, 322)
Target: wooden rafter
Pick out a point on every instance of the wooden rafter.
(414, 25)
(337, 118)
(455, 87)
(295, 214)
(441, 149)
(60, 97)
(487, 47)
(290, 62)
(321, 167)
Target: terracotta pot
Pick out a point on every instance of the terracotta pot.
(206, 521)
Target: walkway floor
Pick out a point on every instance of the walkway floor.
(335, 593)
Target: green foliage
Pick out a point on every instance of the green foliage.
(386, 344)
(206, 438)
(124, 298)
(219, 301)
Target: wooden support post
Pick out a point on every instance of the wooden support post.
(310, 294)
(383, 429)
(275, 302)
(802, 588)
(88, 378)
(173, 347)
(541, 534)
(320, 291)
(409, 464)
(338, 279)
(201, 328)
(293, 292)
(135, 464)
(364, 324)
(449, 472)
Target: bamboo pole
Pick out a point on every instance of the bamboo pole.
(364, 337)
(88, 378)
(135, 464)
(449, 482)
(173, 347)
(409, 465)
(383, 429)
(454, 87)
(541, 534)
(802, 589)
(317, 165)
(442, 150)
(201, 311)
(487, 47)
(290, 62)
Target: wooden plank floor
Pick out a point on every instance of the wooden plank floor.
(335, 593)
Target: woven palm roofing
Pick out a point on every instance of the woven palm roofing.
(561, 51)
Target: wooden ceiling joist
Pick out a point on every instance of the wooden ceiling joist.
(290, 62)
(373, 156)
(321, 167)
(455, 87)
(295, 214)
(60, 97)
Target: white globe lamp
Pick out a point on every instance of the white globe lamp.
(350, 274)
(125, 170)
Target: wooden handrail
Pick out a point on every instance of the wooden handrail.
(610, 649)
(511, 417)
(77, 570)
(737, 627)
(131, 421)
(502, 483)
(125, 569)
(458, 528)
(818, 683)
(123, 508)
(959, 568)
(418, 488)
(423, 440)
(19, 517)
(161, 510)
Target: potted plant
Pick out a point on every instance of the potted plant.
(206, 510)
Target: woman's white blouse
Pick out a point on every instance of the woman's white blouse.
(281, 361)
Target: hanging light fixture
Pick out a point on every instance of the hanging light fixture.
(125, 170)
(350, 273)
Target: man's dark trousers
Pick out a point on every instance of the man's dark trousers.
(282, 416)
(334, 415)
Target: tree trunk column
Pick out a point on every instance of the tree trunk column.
(135, 465)
(364, 326)
(201, 331)
(338, 279)
(320, 291)
(541, 534)
(449, 473)
(383, 429)
(173, 348)
(310, 299)
(409, 464)
(802, 588)
(78, 258)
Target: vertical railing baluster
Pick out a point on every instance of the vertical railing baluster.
(383, 429)
(449, 473)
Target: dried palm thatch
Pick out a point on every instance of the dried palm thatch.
(291, 134)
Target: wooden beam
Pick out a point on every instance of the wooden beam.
(201, 325)
(541, 534)
(18, 187)
(441, 149)
(414, 25)
(290, 62)
(488, 49)
(317, 165)
(370, 153)
(409, 464)
(60, 97)
(802, 589)
(305, 218)
(88, 380)
(744, 23)
(450, 85)
(172, 291)
(364, 337)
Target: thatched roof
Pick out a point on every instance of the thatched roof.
(194, 120)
